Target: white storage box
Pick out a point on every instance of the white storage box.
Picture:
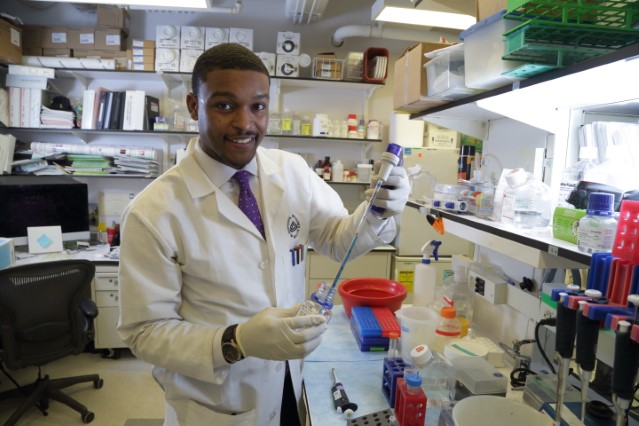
(445, 74)
(483, 48)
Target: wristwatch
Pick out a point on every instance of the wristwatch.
(230, 349)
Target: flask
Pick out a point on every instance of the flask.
(337, 171)
(305, 126)
(597, 230)
(410, 401)
(320, 302)
(274, 124)
(287, 122)
(574, 174)
(321, 125)
(526, 202)
(438, 375)
(457, 293)
(448, 328)
(425, 277)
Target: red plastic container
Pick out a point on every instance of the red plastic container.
(371, 292)
(626, 244)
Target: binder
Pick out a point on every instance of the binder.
(88, 109)
(151, 111)
(101, 110)
(116, 111)
(108, 107)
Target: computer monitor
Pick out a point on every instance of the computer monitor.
(43, 201)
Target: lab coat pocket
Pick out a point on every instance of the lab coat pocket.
(295, 280)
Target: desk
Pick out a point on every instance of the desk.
(104, 290)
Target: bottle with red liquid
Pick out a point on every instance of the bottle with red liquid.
(410, 401)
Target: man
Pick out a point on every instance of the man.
(206, 295)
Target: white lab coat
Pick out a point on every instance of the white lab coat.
(191, 263)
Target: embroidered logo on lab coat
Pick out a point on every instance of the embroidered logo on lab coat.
(293, 225)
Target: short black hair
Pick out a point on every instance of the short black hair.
(225, 56)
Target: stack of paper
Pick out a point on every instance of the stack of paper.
(56, 119)
(7, 148)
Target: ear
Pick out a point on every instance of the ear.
(191, 104)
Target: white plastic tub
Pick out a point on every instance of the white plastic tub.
(445, 74)
(483, 48)
(418, 326)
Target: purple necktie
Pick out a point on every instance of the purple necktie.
(247, 202)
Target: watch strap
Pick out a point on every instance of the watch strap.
(228, 338)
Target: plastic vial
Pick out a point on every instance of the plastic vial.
(361, 129)
(526, 202)
(321, 125)
(438, 375)
(351, 126)
(287, 122)
(393, 351)
(305, 126)
(320, 302)
(449, 328)
(337, 171)
(372, 131)
(598, 228)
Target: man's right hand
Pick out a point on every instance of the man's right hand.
(278, 334)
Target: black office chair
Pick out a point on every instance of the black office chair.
(46, 313)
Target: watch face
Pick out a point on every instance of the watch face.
(231, 352)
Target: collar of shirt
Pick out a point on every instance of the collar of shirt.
(221, 175)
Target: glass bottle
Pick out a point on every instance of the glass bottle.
(274, 124)
(287, 122)
(526, 202)
(448, 328)
(179, 118)
(306, 127)
(297, 125)
(320, 302)
(456, 289)
(597, 230)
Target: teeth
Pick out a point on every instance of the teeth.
(245, 140)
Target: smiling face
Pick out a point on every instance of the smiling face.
(231, 108)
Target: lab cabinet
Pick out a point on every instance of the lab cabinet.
(104, 292)
(376, 263)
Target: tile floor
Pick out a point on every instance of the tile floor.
(129, 392)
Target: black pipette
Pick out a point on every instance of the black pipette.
(564, 343)
(624, 371)
(586, 354)
(340, 400)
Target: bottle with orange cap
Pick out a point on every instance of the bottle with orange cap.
(449, 328)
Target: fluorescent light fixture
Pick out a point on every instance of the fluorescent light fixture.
(182, 4)
(393, 11)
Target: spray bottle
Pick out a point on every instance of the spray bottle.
(425, 278)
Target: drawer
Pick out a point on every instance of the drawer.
(106, 298)
(369, 265)
(106, 282)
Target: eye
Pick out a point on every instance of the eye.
(259, 107)
(224, 106)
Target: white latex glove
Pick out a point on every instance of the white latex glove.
(277, 334)
(393, 195)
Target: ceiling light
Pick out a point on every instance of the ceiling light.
(403, 13)
(183, 4)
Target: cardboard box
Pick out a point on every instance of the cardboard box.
(167, 36)
(486, 8)
(81, 38)
(167, 59)
(139, 43)
(143, 66)
(192, 37)
(98, 53)
(214, 36)
(53, 51)
(188, 57)
(32, 51)
(113, 17)
(440, 137)
(54, 37)
(10, 43)
(409, 81)
(32, 36)
(110, 39)
(143, 51)
(565, 223)
(287, 66)
(243, 36)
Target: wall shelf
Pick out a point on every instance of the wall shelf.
(540, 252)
